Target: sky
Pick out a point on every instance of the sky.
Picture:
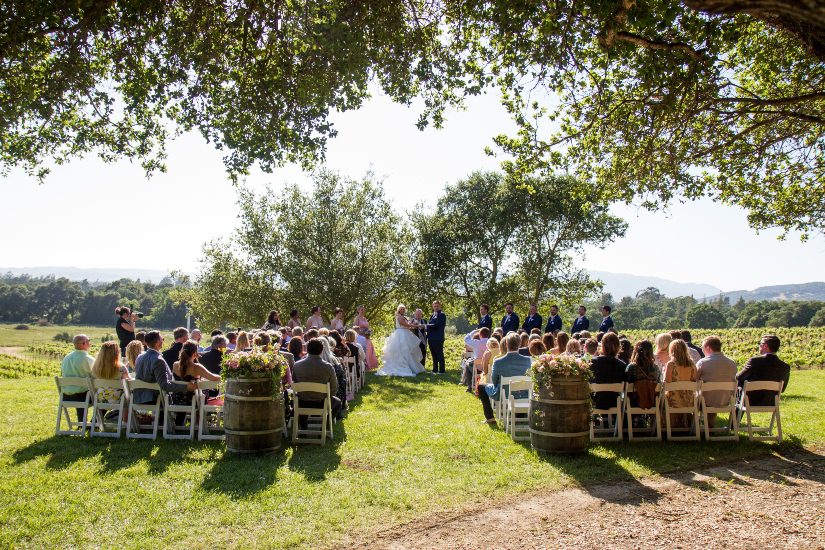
(87, 211)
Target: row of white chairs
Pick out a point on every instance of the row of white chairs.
(513, 413)
(205, 419)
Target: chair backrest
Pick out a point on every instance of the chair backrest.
(520, 383)
(350, 360)
(80, 381)
(760, 385)
(141, 385)
(99, 383)
(629, 387)
(681, 386)
(615, 387)
(317, 387)
(208, 384)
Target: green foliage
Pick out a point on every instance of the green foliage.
(705, 316)
(62, 337)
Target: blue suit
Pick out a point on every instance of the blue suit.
(532, 321)
(581, 324)
(510, 323)
(485, 321)
(553, 324)
(511, 364)
(607, 323)
(435, 339)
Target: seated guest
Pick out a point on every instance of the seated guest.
(262, 341)
(313, 368)
(767, 367)
(533, 320)
(511, 364)
(323, 331)
(573, 348)
(294, 320)
(536, 348)
(337, 322)
(197, 336)
(340, 349)
(607, 368)
(625, 349)
(243, 342)
(680, 368)
(340, 373)
(310, 334)
(188, 369)
(77, 364)
(477, 342)
(561, 343)
(523, 343)
(351, 340)
(296, 348)
(212, 359)
(133, 351)
(715, 367)
(278, 347)
(214, 333)
(107, 367)
(140, 336)
(548, 340)
(662, 355)
(492, 353)
(642, 367)
(231, 340)
(686, 336)
(152, 368)
(172, 354)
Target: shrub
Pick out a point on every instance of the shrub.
(21, 327)
(43, 323)
(62, 337)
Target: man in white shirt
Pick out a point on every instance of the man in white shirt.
(479, 346)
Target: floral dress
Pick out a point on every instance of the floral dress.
(680, 398)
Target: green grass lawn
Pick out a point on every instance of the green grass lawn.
(11, 337)
(407, 449)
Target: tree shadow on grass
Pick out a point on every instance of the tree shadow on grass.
(315, 462)
(241, 475)
(390, 392)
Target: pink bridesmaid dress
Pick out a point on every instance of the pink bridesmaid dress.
(371, 358)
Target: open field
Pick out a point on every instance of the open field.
(407, 450)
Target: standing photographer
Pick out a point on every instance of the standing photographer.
(125, 326)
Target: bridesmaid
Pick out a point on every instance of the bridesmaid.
(337, 322)
(363, 328)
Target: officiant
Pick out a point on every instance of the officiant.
(421, 332)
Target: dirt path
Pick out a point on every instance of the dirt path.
(13, 351)
(774, 502)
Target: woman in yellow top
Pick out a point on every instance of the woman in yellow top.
(680, 368)
(493, 352)
(107, 367)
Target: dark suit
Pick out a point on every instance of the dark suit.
(485, 321)
(553, 324)
(607, 323)
(510, 323)
(580, 324)
(606, 370)
(212, 360)
(172, 355)
(697, 349)
(314, 369)
(435, 339)
(531, 322)
(766, 367)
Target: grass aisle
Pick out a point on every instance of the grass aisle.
(407, 449)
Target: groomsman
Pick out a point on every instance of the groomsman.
(607, 321)
(554, 321)
(510, 321)
(533, 319)
(581, 323)
(484, 319)
(435, 337)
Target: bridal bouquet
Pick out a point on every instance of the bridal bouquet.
(548, 366)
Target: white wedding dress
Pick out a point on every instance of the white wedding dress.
(401, 355)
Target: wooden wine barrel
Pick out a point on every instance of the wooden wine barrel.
(253, 417)
(560, 416)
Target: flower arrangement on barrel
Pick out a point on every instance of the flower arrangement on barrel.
(254, 364)
(547, 366)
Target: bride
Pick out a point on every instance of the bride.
(402, 356)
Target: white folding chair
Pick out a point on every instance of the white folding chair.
(362, 365)
(100, 408)
(170, 429)
(518, 410)
(315, 432)
(692, 409)
(134, 428)
(210, 416)
(746, 408)
(73, 427)
(500, 405)
(352, 375)
(655, 411)
(729, 432)
(613, 430)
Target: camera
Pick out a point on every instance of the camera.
(138, 314)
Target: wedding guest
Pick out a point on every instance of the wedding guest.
(263, 341)
(573, 348)
(510, 321)
(329, 357)
(524, 341)
(171, 355)
(196, 335)
(533, 320)
(315, 319)
(768, 367)
(511, 364)
(309, 335)
(362, 326)
(212, 359)
(607, 368)
(140, 336)
(687, 337)
(677, 335)
(715, 367)
(561, 343)
(492, 353)
(77, 364)
(340, 349)
(152, 368)
(337, 322)
(591, 349)
(484, 319)
(554, 321)
(314, 369)
(548, 340)
(273, 321)
(294, 320)
(662, 356)
(581, 323)
(133, 351)
(125, 326)
(350, 338)
(642, 367)
(188, 369)
(625, 349)
(536, 348)
(477, 342)
(296, 348)
(107, 367)
(323, 331)
(231, 340)
(243, 342)
(607, 320)
(680, 368)
(299, 332)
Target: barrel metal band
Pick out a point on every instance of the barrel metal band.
(252, 432)
(562, 401)
(556, 434)
(231, 397)
(262, 379)
(253, 451)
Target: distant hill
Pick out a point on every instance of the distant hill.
(803, 291)
(92, 274)
(625, 284)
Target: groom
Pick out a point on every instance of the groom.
(435, 337)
